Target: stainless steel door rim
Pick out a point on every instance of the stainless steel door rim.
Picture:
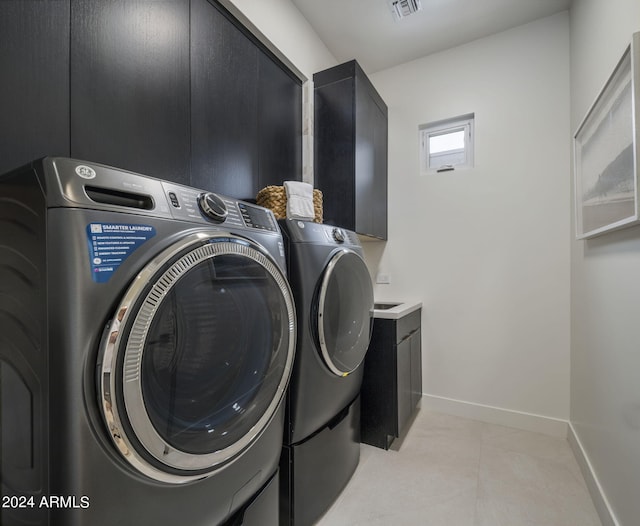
(183, 466)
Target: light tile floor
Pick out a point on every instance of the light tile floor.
(450, 471)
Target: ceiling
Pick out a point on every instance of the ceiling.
(366, 29)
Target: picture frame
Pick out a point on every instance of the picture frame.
(606, 152)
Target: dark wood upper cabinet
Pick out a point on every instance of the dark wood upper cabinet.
(350, 149)
(224, 104)
(246, 109)
(279, 124)
(130, 85)
(175, 89)
(34, 92)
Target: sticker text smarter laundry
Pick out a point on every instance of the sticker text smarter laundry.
(110, 244)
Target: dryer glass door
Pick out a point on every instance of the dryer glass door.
(200, 359)
(345, 312)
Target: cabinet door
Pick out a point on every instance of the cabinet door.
(280, 125)
(130, 85)
(379, 190)
(34, 92)
(416, 368)
(350, 142)
(224, 104)
(365, 164)
(403, 373)
(378, 395)
(371, 164)
(246, 110)
(334, 151)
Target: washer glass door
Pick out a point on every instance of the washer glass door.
(198, 356)
(345, 312)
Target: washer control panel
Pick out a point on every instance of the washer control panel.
(191, 204)
(257, 217)
(103, 187)
(212, 207)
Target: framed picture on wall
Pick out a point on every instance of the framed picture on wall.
(606, 152)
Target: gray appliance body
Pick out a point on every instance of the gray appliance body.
(148, 337)
(334, 304)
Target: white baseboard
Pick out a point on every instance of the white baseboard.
(496, 415)
(598, 496)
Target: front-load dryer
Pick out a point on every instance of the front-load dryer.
(148, 335)
(334, 302)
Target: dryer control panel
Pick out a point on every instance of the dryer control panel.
(310, 232)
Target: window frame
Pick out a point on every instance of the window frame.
(443, 127)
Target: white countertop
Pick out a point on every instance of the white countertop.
(394, 310)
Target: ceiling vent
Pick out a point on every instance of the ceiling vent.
(403, 8)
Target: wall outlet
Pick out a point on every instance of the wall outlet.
(383, 279)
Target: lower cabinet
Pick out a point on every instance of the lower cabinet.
(392, 383)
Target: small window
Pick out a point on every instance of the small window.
(447, 145)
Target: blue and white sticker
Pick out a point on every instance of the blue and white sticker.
(110, 244)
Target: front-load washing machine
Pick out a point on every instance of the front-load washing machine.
(148, 335)
(334, 301)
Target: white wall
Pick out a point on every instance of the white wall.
(605, 291)
(282, 23)
(486, 249)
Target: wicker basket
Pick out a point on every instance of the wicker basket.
(275, 198)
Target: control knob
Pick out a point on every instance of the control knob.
(212, 207)
(338, 235)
